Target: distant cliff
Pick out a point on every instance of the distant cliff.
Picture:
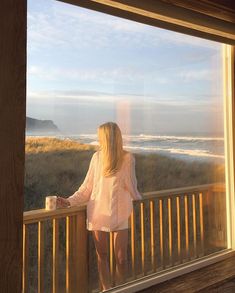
(40, 126)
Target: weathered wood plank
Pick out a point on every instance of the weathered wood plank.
(12, 129)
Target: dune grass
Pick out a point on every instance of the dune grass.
(36, 145)
(54, 166)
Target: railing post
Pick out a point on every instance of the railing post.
(76, 254)
(215, 220)
(82, 238)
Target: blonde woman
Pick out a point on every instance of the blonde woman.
(109, 188)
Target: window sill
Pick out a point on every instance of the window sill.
(216, 277)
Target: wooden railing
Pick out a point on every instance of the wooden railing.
(167, 228)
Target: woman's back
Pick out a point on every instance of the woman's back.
(111, 198)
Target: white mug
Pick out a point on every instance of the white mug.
(50, 202)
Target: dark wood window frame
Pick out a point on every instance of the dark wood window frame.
(202, 20)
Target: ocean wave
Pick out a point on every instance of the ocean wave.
(147, 137)
(87, 135)
(95, 142)
(168, 149)
(192, 152)
(187, 152)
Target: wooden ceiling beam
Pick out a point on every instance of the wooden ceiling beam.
(166, 16)
(206, 7)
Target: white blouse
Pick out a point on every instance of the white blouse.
(109, 199)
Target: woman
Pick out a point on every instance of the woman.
(109, 187)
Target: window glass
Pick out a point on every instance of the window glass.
(164, 90)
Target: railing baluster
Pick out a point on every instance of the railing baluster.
(178, 228)
(194, 226)
(142, 237)
(25, 259)
(55, 269)
(201, 223)
(186, 225)
(68, 254)
(161, 231)
(133, 250)
(169, 229)
(152, 238)
(111, 258)
(40, 257)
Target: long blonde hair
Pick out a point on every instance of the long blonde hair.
(111, 147)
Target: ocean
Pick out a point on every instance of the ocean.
(184, 147)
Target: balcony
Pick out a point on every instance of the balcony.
(168, 228)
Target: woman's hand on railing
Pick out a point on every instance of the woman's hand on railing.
(62, 202)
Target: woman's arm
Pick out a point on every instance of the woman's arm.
(130, 178)
(83, 194)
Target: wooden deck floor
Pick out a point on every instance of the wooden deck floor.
(219, 277)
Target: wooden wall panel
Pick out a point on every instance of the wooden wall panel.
(12, 128)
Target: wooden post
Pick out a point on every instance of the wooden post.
(12, 129)
(214, 206)
(76, 254)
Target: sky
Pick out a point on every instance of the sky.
(85, 68)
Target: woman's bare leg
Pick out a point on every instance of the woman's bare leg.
(120, 250)
(101, 245)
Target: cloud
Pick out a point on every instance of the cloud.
(143, 102)
(67, 26)
(121, 74)
(85, 96)
(77, 30)
(174, 38)
(192, 75)
(155, 35)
